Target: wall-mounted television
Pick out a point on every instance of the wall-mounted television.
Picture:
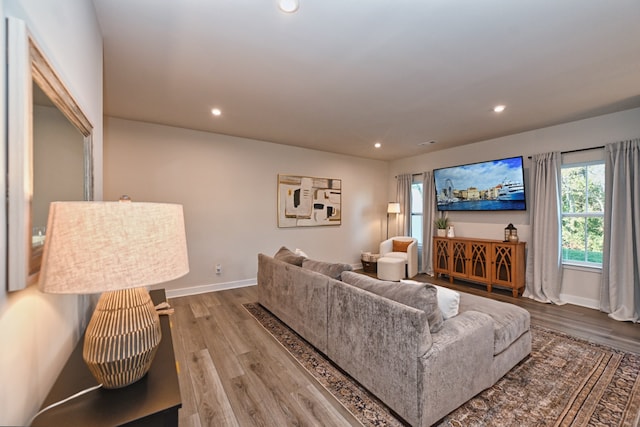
(496, 185)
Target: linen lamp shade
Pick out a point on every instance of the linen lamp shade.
(93, 247)
(117, 248)
(393, 207)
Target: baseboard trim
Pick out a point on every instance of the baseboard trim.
(214, 287)
(583, 302)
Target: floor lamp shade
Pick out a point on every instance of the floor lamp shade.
(392, 208)
(117, 248)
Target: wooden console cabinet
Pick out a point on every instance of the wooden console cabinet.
(491, 262)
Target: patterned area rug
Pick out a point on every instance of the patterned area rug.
(565, 382)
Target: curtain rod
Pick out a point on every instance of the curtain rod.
(582, 149)
(577, 150)
(413, 174)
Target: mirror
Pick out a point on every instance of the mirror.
(49, 152)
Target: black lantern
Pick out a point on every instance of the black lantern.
(510, 234)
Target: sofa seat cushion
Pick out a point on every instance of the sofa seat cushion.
(509, 321)
(422, 297)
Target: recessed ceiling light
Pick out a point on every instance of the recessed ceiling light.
(377, 145)
(288, 6)
(427, 143)
(216, 112)
(499, 108)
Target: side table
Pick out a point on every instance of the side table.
(370, 266)
(154, 400)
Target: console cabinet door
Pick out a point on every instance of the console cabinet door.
(459, 259)
(470, 260)
(441, 256)
(479, 261)
(508, 265)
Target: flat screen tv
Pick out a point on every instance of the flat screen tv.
(497, 185)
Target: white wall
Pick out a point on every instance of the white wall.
(39, 331)
(228, 187)
(230, 219)
(579, 286)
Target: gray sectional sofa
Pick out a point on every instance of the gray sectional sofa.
(392, 338)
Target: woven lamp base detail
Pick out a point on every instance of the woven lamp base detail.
(122, 337)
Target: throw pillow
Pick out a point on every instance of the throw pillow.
(301, 253)
(401, 245)
(448, 299)
(333, 270)
(286, 255)
(423, 296)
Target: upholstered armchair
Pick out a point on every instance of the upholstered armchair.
(404, 248)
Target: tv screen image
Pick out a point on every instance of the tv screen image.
(496, 185)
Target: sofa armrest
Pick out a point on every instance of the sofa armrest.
(296, 296)
(412, 259)
(378, 342)
(457, 366)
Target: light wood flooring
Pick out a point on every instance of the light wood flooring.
(233, 373)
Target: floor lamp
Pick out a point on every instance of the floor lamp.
(392, 208)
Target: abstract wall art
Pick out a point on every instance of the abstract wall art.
(305, 201)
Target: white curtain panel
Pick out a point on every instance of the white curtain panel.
(620, 292)
(428, 215)
(544, 257)
(404, 198)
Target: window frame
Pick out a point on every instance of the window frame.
(415, 214)
(587, 214)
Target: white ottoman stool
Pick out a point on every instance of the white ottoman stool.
(390, 268)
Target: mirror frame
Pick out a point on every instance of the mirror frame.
(26, 64)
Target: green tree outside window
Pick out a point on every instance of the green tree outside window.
(583, 213)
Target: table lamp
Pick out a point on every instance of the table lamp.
(117, 248)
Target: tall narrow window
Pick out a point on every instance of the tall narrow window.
(416, 211)
(583, 213)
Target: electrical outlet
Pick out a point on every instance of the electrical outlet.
(218, 268)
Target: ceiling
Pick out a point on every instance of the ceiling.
(339, 76)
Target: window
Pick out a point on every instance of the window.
(583, 213)
(416, 212)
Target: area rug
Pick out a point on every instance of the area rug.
(564, 382)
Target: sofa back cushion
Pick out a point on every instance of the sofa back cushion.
(286, 255)
(422, 297)
(333, 270)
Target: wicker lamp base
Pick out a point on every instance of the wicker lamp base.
(122, 337)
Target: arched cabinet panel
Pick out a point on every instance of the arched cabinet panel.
(491, 262)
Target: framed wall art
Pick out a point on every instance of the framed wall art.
(305, 201)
